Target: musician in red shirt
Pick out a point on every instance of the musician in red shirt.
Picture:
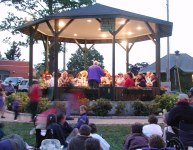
(129, 82)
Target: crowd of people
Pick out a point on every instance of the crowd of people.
(83, 135)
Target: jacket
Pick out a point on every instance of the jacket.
(83, 119)
(182, 111)
(58, 133)
(135, 140)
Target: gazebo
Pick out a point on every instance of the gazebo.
(93, 25)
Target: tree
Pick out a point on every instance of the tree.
(76, 62)
(36, 9)
(14, 52)
(137, 67)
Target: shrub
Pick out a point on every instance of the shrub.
(139, 108)
(153, 108)
(101, 107)
(24, 102)
(165, 101)
(43, 105)
(120, 108)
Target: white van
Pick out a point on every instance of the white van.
(24, 85)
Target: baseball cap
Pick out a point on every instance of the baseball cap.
(182, 97)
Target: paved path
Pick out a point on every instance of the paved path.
(93, 119)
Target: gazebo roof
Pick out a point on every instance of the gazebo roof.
(85, 25)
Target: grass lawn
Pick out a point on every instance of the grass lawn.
(114, 134)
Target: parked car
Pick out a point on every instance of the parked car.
(24, 85)
(15, 81)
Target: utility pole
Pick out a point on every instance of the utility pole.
(168, 46)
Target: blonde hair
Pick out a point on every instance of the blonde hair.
(83, 107)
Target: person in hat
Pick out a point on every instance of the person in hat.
(94, 75)
(182, 111)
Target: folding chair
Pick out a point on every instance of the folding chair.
(52, 144)
(42, 135)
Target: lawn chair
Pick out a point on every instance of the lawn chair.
(42, 135)
(52, 144)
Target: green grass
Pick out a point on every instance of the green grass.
(114, 134)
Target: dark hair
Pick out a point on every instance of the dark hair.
(60, 117)
(130, 74)
(152, 119)
(92, 144)
(93, 128)
(137, 128)
(51, 118)
(85, 130)
(156, 141)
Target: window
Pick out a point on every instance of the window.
(24, 82)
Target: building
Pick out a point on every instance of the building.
(11, 68)
(181, 67)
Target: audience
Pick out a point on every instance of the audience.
(152, 127)
(58, 132)
(182, 111)
(83, 119)
(61, 120)
(136, 139)
(103, 142)
(156, 141)
(77, 143)
(92, 144)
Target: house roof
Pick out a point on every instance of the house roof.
(83, 30)
(183, 61)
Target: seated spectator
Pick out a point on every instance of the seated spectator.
(191, 96)
(12, 142)
(129, 82)
(78, 142)
(61, 120)
(83, 119)
(136, 139)
(9, 89)
(156, 141)
(92, 144)
(152, 127)
(182, 111)
(2, 134)
(57, 129)
(103, 142)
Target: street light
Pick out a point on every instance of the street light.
(168, 46)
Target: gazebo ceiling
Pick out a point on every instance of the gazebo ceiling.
(85, 25)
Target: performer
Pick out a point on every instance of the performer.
(94, 75)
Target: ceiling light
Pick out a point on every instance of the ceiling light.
(99, 29)
(61, 24)
(129, 33)
(139, 28)
(75, 34)
(89, 20)
(104, 35)
(122, 22)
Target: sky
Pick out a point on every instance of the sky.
(180, 14)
